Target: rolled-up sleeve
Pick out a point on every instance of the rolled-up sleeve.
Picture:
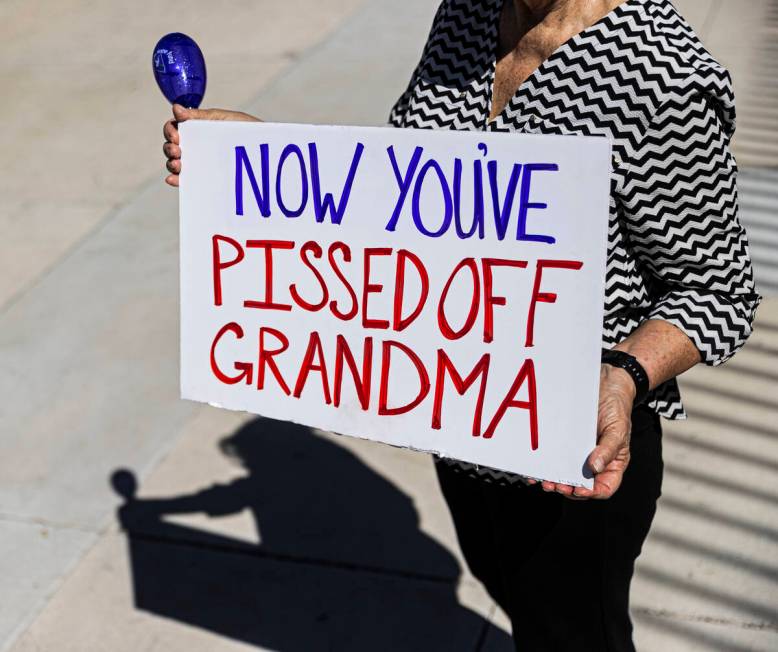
(681, 217)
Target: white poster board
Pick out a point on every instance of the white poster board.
(438, 291)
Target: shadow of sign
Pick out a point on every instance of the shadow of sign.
(342, 564)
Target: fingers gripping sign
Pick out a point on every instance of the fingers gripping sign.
(171, 148)
(609, 460)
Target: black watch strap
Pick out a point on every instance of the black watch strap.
(629, 364)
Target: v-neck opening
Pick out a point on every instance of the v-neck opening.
(495, 35)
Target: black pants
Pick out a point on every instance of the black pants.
(561, 569)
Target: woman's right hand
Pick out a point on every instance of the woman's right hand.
(172, 148)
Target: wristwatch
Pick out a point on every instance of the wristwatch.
(629, 364)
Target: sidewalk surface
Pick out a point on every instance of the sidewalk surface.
(231, 549)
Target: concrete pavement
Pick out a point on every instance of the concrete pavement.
(89, 355)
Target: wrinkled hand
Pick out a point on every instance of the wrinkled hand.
(610, 458)
(171, 147)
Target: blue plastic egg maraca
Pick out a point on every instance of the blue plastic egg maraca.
(179, 68)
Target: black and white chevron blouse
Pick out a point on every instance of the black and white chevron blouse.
(640, 77)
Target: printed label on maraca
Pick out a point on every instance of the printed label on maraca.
(159, 60)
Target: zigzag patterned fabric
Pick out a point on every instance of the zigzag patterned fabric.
(641, 77)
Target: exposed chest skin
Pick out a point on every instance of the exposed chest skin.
(524, 43)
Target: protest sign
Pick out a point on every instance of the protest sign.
(433, 290)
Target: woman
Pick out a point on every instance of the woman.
(679, 284)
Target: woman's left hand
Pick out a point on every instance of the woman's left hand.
(610, 458)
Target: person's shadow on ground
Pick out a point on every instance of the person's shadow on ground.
(341, 565)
